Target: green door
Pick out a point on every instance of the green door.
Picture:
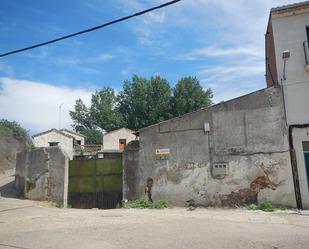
(306, 153)
(95, 183)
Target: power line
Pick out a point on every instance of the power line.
(90, 29)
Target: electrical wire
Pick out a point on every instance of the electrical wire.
(90, 29)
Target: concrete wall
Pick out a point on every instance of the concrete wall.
(42, 174)
(248, 134)
(65, 143)
(111, 139)
(131, 171)
(289, 31)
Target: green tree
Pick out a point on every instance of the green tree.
(188, 96)
(133, 102)
(159, 100)
(12, 129)
(103, 111)
(81, 116)
(144, 102)
(93, 136)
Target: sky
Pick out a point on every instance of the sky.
(219, 42)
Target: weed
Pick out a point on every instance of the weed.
(30, 184)
(266, 206)
(55, 202)
(160, 204)
(145, 203)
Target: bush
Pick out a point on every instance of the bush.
(160, 204)
(266, 206)
(145, 203)
(8, 128)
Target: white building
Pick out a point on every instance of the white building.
(69, 141)
(118, 139)
(287, 67)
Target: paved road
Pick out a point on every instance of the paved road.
(28, 224)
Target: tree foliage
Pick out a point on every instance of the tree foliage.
(141, 102)
(12, 128)
(93, 136)
(103, 112)
(133, 102)
(190, 96)
(81, 116)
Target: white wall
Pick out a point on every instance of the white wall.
(111, 139)
(65, 143)
(289, 34)
(77, 137)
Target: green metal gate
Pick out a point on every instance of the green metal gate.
(95, 183)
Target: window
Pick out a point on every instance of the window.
(51, 144)
(78, 142)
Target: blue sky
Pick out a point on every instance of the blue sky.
(219, 42)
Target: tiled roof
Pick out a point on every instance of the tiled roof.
(52, 130)
(290, 6)
(73, 132)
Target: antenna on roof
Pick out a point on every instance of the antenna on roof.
(59, 124)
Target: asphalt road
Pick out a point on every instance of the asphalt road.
(27, 224)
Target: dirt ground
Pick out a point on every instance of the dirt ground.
(29, 224)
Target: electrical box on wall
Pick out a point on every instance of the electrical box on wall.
(219, 170)
(206, 127)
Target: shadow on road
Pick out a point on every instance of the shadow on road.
(8, 190)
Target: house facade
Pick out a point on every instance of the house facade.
(287, 35)
(69, 142)
(117, 140)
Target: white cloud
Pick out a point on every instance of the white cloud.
(35, 105)
(201, 53)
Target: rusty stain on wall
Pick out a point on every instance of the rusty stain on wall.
(250, 195)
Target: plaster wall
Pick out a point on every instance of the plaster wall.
(111, 139)
(289, 31)
(65, 143)
(42, 174)
(77, 137)
(247, 133)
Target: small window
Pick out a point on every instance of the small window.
(78, 142)
(51, 144)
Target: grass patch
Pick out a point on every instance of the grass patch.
(56, 203)
(266, 206)
(145, 203)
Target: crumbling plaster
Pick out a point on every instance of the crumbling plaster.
(248, 133)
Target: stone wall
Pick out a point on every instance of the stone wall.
(42, 174)
(247, 135)
(131, 171)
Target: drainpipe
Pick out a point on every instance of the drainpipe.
(294, 164)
